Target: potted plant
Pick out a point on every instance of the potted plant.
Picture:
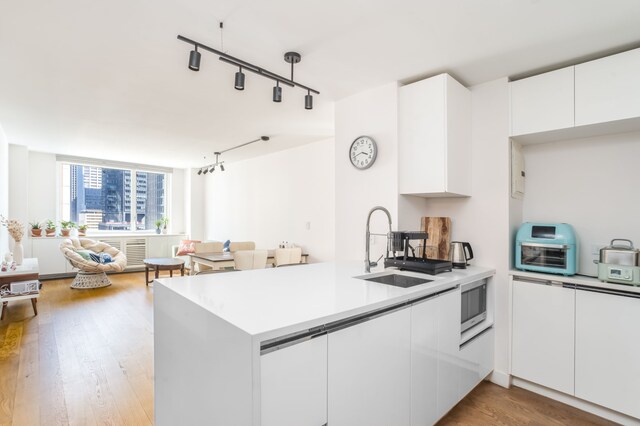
(66, 225)
(36, 229)
(50, 229)
(159, 224)
(82, 230)
(165, 222)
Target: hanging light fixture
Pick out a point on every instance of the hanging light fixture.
(239, 84)
(277, 92)
(210, 168)
(194, 60)
(289, 57)
(308, 101)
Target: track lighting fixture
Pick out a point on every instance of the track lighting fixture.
(210, 168)
(308, 101)
(194, 60)
(289, 57)
(239, 84)
(277, 92)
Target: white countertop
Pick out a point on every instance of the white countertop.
(577, 279)
(270, 302)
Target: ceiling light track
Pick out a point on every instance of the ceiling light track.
(289, 57)
(210, 168)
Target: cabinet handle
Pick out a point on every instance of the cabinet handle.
(611, 292)
(542, 282)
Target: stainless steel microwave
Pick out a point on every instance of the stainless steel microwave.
(474, 304)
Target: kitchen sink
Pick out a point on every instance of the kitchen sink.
(396, 280)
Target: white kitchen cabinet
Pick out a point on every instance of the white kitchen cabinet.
(608, 89)
(449, 366)
(293, 384)
(476, 357)
(434, 138)
(607, 350)
(369, 372)
(424, 362)
(543, 102)
(543, 334)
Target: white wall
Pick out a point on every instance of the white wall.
(19, 177)
(272, 198)
(372, 113)
(178, 210)
(592, 184)
(4, 190)
(483, 218)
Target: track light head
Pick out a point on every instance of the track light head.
(264, 138)
(239, 83)
(222, 167)
(308, 101)
(277, 92)
(200, 171)
(212, 169)
(194, 60)
(205, 171)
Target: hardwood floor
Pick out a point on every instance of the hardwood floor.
(87, 359)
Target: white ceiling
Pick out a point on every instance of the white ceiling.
(110, 80)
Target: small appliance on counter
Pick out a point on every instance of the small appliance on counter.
(546, 247)
(619, 263)
(399, 242)
(460, 254)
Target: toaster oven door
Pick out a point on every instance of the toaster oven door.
(544, 255)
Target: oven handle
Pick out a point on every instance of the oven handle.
(551, 246)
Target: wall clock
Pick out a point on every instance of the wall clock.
(363, 152)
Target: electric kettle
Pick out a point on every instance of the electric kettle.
(460, 253)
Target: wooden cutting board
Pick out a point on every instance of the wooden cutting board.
(439, 230)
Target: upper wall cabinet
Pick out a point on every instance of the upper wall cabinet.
(542, 103)
(595, 98)
(608, 89)
(434, 138)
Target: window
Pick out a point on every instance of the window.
(112, 199)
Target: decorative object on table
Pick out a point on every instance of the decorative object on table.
(36, 229)
(158, 224)
(16, 230)
(67, 226)
(439, 231)
(363, 152)
(82, 230)
(92, 274)
(50, 229)
(8, 257)
(212, 167)
(619, 263)
(291, 58)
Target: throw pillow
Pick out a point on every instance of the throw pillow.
(226, 245)
(86, 254)
(186, 247)
(101, 258)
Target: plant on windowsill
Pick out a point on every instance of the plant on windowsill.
(67, 226)
(159, 224)
(36, 229)
(165, 222)
(82, 230)
(51, 228)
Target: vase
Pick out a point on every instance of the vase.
(18, 253)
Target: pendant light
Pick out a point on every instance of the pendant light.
(194, 60)
(239, 84)
(277, 92)
(308, 101)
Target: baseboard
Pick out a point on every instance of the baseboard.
(500, 378)
(589, 407)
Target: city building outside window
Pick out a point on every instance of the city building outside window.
(112, 199)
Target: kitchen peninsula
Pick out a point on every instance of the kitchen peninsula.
(313, 344)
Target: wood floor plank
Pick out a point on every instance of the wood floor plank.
(27, 399)
(9, 365)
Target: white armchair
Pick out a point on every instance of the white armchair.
(250, 259)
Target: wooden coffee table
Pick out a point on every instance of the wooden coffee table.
(162, 264)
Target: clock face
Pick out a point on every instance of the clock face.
(363, 152)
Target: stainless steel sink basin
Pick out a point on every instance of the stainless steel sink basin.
(397, 280)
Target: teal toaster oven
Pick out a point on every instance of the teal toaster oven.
(546, 247)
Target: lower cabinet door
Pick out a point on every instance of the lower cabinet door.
(293, 385)
(608, 351)
(543, 334)
(449, 366)
(369, 372)
(424, 362)
(476, 357)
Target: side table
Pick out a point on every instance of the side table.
(162, 264)
(27, 271)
